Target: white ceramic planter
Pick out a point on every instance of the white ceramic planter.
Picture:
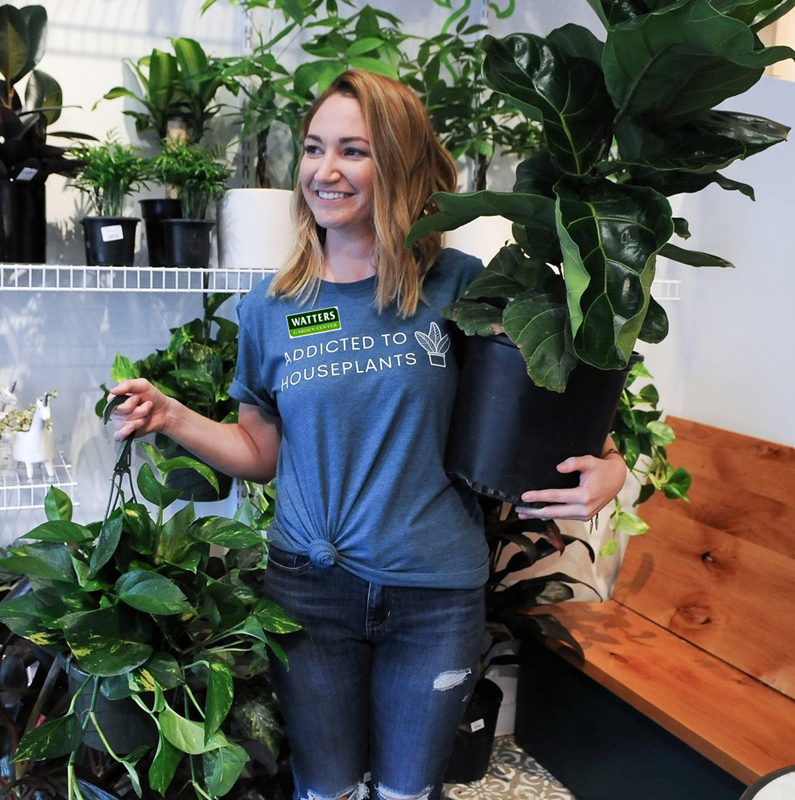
(255, 228)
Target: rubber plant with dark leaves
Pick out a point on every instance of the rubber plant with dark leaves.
(625, 123)
(154, 609)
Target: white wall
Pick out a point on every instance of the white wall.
(726, 362)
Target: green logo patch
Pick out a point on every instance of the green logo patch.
(320, 321)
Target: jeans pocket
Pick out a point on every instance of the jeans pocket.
(287, 563)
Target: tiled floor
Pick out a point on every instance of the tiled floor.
(512, 774)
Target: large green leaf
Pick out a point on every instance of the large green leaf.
(52, 739)
(164, 765)
(43, 91)
(224, 532)
(60, 530)
(538, 324)
(220, 692)
(107, 542)
(36, 23)
(102, 643)
(44, 560)
(14, 52)
(57, 504)
(693, 258)
(273, 617)
(161, 669)
(535, 212)
(611, 234)
(151, 592)
(681, 61)
(222, 768)
(187, 735)
(565, 92)
(672, 182)
(474, 318)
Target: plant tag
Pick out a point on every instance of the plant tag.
(27, 174)
(112, 233)
(477, 725)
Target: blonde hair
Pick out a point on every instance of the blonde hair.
(410, 164)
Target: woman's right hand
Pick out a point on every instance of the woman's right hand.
(145, 410)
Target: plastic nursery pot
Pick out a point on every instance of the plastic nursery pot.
(778, 785)
(23, 222)
(154, 211)
(474, 739)
(124, 725)
(193, 486)
(507, 435)
(187, 242)
(110, 241)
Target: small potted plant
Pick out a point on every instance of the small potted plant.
(156, 621)
(197, 176)
(26, 157)
(108, 173)
(625, 123)
(196, 367)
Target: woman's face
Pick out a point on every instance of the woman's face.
(336, 172)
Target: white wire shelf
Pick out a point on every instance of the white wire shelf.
(65, 277)
(18, 492)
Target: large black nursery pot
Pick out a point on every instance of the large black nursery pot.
(474, 739)
(508, 435)
(110, 241)
(23, 222)
(187, 242)
(154, 211)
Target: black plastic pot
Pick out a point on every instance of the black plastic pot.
(23, 222)
(124, 725)
(110, 241)
(154, 211)
(187, 242)
(507, 435)
(192, 485)
(474, 739)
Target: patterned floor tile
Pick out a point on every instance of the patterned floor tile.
(512, 774)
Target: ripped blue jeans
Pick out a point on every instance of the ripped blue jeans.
(378, 679)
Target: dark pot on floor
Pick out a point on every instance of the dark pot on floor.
(110, 241)
(187, 242)
(154, 211)
(507, 435)
(124, 725)
(23, 222)
(192, 485)
(474, 740)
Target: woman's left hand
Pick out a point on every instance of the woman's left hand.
(601, 479)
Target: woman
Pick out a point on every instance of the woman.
(345, 387)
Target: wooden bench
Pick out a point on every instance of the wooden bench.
(700, 633)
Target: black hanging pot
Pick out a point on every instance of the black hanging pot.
(110, 241)
(154, 211)
(507, 435)
(124, 724)
(191, 484)
(474, 739)
(187, 242)
(23, 222)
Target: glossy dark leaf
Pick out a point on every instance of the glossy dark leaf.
(675, 65)
(566, 93)
(152, 593)
(693, 258)
(655, 323)
(43, 560)
(539, 325)
(481, 319)
(672, 182)
(610, 235)
(59, 530)
(52, 739)
(107, 542)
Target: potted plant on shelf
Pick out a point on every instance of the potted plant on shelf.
(626, 123)
(157, 620)
(196, 367)
(197, 176)
(108, 173)
(26, 158)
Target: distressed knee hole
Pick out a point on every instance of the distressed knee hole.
(451, 679)
(358, 792)
(389, 794)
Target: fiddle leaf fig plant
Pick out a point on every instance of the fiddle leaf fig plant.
(625, 123)
(153, 608)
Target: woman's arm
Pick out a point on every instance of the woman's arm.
(601, 479)
(247, 449)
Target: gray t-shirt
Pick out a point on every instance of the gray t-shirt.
(365, 402)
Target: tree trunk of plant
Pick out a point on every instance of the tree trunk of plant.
(481, 167)
(261, 177)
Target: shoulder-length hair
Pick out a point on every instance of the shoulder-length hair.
(410, 164)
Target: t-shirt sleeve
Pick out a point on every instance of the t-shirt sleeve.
(249, 385)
